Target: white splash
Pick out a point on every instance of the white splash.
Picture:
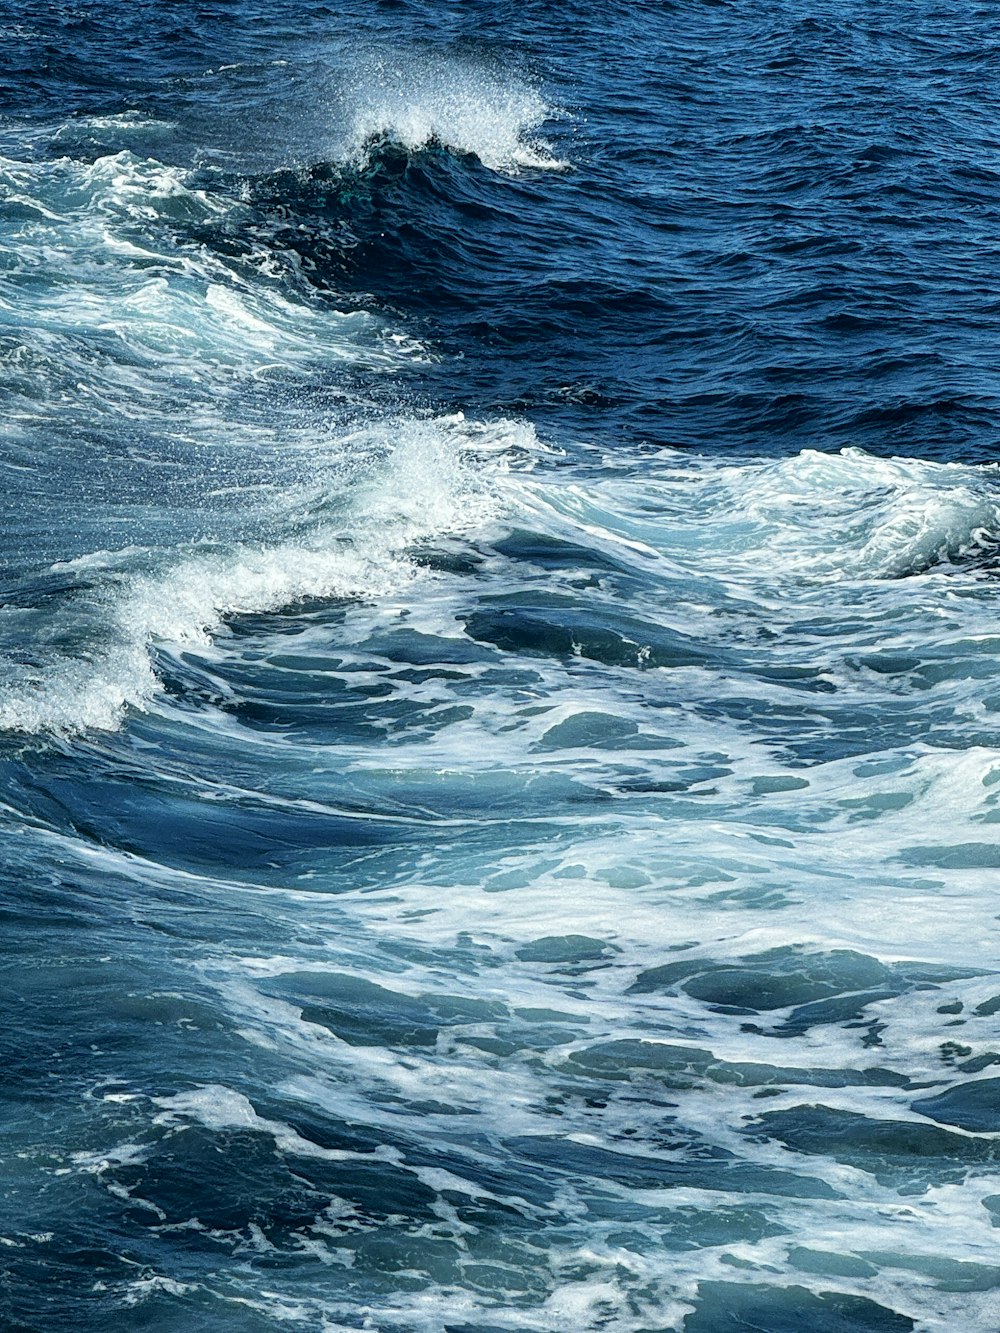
(417, 101)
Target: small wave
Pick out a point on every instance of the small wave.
(853, 515)
(129, 130)
(810, 518)
(420, 101)
(423, 482)
(115, 188)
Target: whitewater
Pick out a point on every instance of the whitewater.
(498, 705)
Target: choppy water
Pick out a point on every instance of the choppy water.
(499, 697)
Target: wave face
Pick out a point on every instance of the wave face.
(498, 655)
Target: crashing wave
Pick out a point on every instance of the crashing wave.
(425, 479)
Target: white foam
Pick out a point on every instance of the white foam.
(817, 517)
(104, 236)
(218, 1108)
(851, 514)
(142, 1289)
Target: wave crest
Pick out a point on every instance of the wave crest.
(811, 518)
(853, 515)
(421, 101)
(424, 479)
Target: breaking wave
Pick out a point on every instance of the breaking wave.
(422, 480)
(418, 101)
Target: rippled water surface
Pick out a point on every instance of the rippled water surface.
(499, 698)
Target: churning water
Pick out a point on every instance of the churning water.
(499, 711)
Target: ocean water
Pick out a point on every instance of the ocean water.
(499, 709)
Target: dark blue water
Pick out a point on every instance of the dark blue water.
(499, 709)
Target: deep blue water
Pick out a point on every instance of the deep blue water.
(499, 707)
